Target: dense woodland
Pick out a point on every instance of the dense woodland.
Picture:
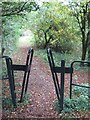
(65, 28)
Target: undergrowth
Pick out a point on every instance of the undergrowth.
(68, 57)
(78, 104)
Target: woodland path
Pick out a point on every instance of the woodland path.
(41, 89)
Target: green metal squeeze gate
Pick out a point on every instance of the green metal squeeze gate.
(59, 84)
(10, 71)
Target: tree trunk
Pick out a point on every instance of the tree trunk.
(84, 50)
(84, 47)
(46, 41)
(88, 47)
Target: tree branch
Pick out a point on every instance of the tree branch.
(77, 17)
(16, 10)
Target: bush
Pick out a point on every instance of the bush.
(76, 104)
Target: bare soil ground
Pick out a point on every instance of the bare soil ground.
(41, 90)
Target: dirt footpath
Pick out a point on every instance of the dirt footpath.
(40, 89)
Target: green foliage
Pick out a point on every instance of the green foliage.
(0, 69)
(53, 26)
(4, 69)
(68, 57)
(6, 102)
(42, 54)
(80, 11)
(74, 104)
(79, 102)
(18, 7)
(26, 99)
(11, 32)
(77, 91)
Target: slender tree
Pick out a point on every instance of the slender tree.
(88, 17)
(88, 35)
(80, 11)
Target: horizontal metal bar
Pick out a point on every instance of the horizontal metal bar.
(4, 57)
(81, 85)
(60, 70)
(78, 61)
(19, 67)
(4, 78)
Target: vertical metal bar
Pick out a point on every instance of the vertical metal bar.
(25, 75)
(62, 83)
(12, 73)
(23, 86)
(27, 81)
(54, 75)
(11, 80)
(30, 59)
(70, 85)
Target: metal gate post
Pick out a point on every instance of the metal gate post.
(10, 71)
(62, 82)
(58, 83)
(54, 74)
(71, 83)
(11, 80)
(29, 69)
(26, 73)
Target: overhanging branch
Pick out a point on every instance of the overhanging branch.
(17, 8)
